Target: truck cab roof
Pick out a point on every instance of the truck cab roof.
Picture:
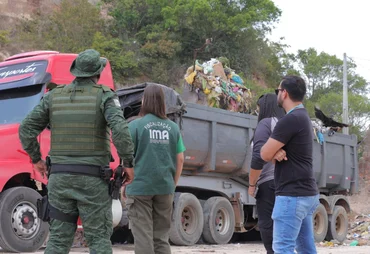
(14, 68)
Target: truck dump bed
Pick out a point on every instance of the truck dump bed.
(335, 163)
(218, 142)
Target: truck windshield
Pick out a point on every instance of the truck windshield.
(16, 103)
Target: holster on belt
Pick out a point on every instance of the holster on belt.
(116, 183)
(43, 208)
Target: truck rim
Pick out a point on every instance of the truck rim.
(339, 224)
(189, 220)
(222, 221)
(319, 223)
(25, 222)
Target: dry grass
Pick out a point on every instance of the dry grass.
(359, 202)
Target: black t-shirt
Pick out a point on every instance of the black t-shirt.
(294, 177)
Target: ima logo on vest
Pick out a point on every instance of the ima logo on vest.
(158, 136)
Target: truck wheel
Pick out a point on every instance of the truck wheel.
(338, 225)
(21, 230)
(187, 220)
(219, 221)
(320, 223)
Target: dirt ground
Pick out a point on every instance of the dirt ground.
(255, 248)
(360, 216)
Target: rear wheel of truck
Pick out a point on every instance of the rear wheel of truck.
(338, 224)
(219, 221)
(320, 223)
(187, 224)
(21, 230)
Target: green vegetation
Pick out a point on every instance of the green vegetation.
(154, 40)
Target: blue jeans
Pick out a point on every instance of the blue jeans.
(293, 226)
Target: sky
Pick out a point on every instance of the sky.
(332, 26)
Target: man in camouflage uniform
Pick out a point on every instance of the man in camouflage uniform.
(80, 116)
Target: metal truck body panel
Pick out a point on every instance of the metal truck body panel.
(218, 145)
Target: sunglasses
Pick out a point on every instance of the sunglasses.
(277, 90)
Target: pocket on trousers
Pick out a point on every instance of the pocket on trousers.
(272, 185)
(316, 203)
(306, 206)
(131, 212)
(109, 223)
(285, 206)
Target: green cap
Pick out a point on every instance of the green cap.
(88, 64)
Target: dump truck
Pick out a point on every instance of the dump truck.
(211, 200)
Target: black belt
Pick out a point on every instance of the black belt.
(74, 169)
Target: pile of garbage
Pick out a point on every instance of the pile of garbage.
(220, 84)
(358, 233)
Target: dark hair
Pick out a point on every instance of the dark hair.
(269, 107)
(295, 86)
(153, 102)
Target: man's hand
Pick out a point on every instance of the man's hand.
(251, 190)
(41, 167)
(280, 155)
(130, 176)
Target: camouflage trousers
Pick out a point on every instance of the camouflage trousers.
(88, 196)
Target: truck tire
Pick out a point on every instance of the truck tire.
(320, 223)
(219, 221)
(21, 230)
(338, 225)
(187, 220)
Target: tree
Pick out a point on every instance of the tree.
(69, 28)
(175, 28)
(124, 63)
(4, 38)
(323, 73)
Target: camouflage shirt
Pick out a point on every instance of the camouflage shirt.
(38, 119)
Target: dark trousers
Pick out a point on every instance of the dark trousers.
(265, 201)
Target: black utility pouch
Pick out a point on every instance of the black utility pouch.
(43, 211)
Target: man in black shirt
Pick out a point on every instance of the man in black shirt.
(297, 195)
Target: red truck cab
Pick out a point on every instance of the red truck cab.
(24, 79)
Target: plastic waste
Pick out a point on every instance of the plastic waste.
(207, 91)
(190, 79)
(320, 136)
(353, 243)
(218, 89)
(237, 79)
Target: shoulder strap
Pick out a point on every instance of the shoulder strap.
(58, 88)
(274, 120)
(105, 88)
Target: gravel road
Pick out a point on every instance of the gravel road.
(255, 248)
